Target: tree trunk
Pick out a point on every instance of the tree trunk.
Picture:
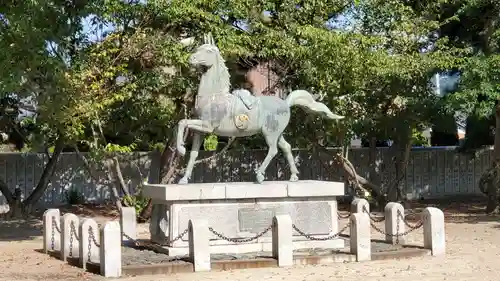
(169, 160)
(4, 189)
(374, 166)
(489, 183)
(117, 170)
(114, 184)
(402, 150)
(20, 208)
(496, 144)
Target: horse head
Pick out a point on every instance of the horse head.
(207, 54)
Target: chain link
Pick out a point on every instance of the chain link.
(342, 216)
(72, 235)
(329, 237)
(91, 241)
(416, 226)
(373, 219)
(53, 234)
(178, 237)
(240, 240)
(398, 234)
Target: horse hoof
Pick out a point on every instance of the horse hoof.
(294, 178)
(260, 178)
(181, 150)
(183, 181)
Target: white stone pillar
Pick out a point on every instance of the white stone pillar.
(199, 249)
(282, 240)
(394, 223)
(89, 235)
(110, 253)
(434, 232)
(358, 204)
(360, 236)
(51, 230)
(69, 236)
(128, 222)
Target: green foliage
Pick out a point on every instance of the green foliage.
(128, 88)
(418, 139)
(210, 143)
(73, 197)
(137, 201)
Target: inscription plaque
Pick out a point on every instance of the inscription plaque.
(255, 220)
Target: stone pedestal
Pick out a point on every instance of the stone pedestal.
(242, 210)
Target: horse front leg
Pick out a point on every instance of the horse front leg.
(193, 124)
(181, 127)
(272, 142)
(197, 140)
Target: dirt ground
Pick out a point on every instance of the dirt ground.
(473, 252)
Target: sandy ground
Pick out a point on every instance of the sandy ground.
(473, 253)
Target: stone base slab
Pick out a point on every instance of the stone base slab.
(257, 247)
(243, 210)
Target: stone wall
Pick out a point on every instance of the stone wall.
(432, 172)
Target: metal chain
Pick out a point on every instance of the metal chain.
(92, 237)
(329, 237)
(72, 235)
(91, 241)
(342, 216)
(130, 238)
(398, 234)
(53, 234)
(240, 240)
(89, 248)
(373, 218)
(54, 224)
(418, 225)
(178, 237)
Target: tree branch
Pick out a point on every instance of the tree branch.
(4, 189)
(220, 153)
(48, 172)
(92, 172)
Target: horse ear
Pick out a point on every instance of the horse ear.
(205, 39)
(211, 39)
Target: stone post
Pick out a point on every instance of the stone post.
(51, 230)
(282, 240)
(69, 236)
(360, 236)
(434, 233)
(89, 235)
(128, 223)
(357, 205)
(394, 223)
(111, 250)
(199, 249)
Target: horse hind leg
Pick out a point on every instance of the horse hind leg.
(272, 142)
(287, 150)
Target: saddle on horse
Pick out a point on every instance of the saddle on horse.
(241, 119)
(246, 97)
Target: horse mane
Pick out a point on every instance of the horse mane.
(223, 78)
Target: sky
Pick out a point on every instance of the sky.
(343, 21)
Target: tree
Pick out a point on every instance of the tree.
(376, 64)
(37, 51)
(474, 25)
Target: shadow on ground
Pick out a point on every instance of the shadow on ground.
(458, 209)
(18, 230)
(31, 228)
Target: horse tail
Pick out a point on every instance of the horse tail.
(305, 100)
